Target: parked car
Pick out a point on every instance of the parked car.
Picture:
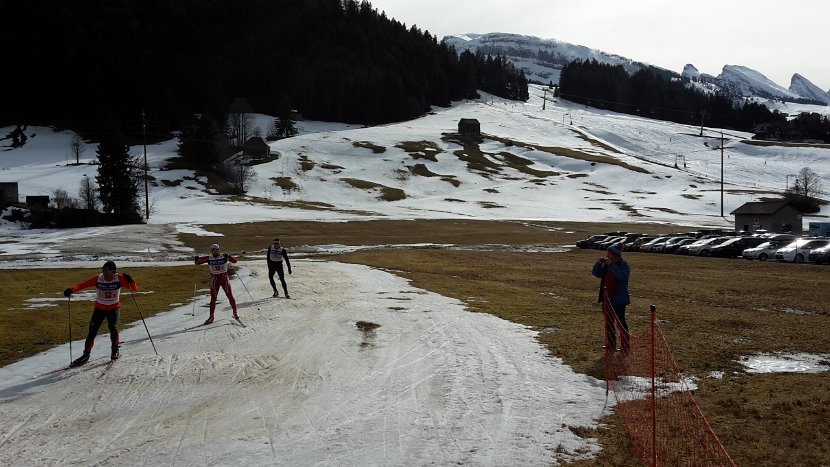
(782, 239)
(704, 248)
(661, 247)
(799, 250)
(733, 248)
(761, 252)
(604, 244)
(636, 244)
(608, 236)
(820, 255)
(684, 249)
(671, 247)
(586, 242)
(649, 246)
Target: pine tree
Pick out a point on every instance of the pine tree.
(117, 181)
(199, 143)
(284, 124)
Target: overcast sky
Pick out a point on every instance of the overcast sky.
(776, 38)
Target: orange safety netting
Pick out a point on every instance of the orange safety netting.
(664, 422)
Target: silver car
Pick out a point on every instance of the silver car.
(704, 247)
(761, 252)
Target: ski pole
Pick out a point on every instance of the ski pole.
(69, 313)
(195, 279)
(142, 320)
(246, 290)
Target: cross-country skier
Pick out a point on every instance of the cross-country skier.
(274, 256)
(107, 306)
(219, 271)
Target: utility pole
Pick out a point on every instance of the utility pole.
(721, 173)
(146, 182)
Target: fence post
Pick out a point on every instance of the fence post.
(653, 391)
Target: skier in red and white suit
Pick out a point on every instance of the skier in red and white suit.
(107, 306)
(219, 271)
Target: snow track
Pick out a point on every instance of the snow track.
(303, 384)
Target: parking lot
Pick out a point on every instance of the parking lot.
(762, 246)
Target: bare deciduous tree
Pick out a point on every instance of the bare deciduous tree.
(807, 183)
(240, 125)
(241, 176)
(61, 199)
(88, 194)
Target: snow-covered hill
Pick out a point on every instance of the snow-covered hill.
(543, 59)
(803, 87)
(744, 81)
(566, 162)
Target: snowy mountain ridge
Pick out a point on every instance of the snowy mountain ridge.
(543, 59)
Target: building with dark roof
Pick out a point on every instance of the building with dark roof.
(772, 216)
(256, 148)
(469, 127)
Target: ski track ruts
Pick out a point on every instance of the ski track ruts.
(317, 434)
(14, 429)
(187, 417)
(268, 435)
(59, 419)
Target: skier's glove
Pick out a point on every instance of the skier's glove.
(225, 255)
(129, 278)
(67, 292)
(195, 259)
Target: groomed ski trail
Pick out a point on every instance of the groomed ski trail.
(303, 384)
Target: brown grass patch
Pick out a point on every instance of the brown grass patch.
(386, 193)
(523, 165)
(171, 183)
(423, 171)
(306, 164)
(334, 168)
(575, 153)
(473, 155)
(596, 143)
(369, 145)
(421, 149)
(285, 183)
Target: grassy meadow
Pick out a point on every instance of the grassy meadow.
(712, 311)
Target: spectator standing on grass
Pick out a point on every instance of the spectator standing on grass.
(275, 255)
(218, 263)
(613, 295)
(107, 306)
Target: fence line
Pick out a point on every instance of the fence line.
(665, 424)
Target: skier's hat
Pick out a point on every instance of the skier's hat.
(109, 266)
(215, 246)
